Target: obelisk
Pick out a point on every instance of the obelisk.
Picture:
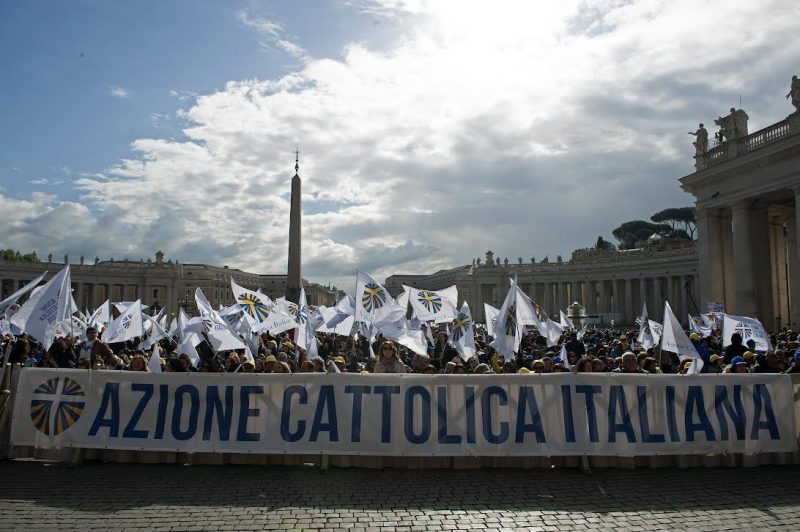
(293, 278)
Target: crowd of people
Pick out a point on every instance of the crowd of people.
(595, 350)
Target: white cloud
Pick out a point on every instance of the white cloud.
(117, 92)
(523, 128)
(275, 35)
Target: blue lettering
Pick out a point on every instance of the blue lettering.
(527, 402)
(302, 394)
(386, 410)
(441, 409)
(161, 417)
(358, 398)
(591, 416)
(617, 401)
(110, 399)
(486, 414)
(245, 413)
(763, 400)
(569, 421)
(177, 412)
(425, 433)
(469, 393)
(669, 399)
(130, 429)
(326, 401)
(722, 404)
(644, 419)
(696, 402)
(224, 415)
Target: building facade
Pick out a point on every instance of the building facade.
(158, 283)
(747, 192)
(609, 284)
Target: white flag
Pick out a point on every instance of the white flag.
(552, 331)
(748, 329)
(345, 308)
(564, 356)
(101, 316)
(674, 340)
(187, 347)
(700, 326)
(154, 363)
(10, 300)
(491, 314)
(507, 331)
(127, 326)
(462, 333)
(305, 333)
(439, 306)
(373, 302)
(39, 316)
(565, 322)
(219, 334)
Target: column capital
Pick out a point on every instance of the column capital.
(741, 205)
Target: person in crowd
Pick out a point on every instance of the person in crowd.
(389, 359)
(629, 364)
(138, 363)
(736, 349)
(93, 348)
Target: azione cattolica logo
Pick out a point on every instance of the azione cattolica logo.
(57, 404)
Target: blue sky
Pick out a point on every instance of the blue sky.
(429, 131)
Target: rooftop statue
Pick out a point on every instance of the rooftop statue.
(701, 142)
(794, 93)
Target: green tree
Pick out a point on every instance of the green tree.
(604, 245)
(682, 218)
(637, 230)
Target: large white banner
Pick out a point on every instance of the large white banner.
(412, 415)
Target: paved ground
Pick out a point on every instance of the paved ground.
(36, 496)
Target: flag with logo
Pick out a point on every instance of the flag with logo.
(748, 329)
(462, 333)
(305, 333)
(438, 306)
(674, 340)
(507, 331)
(127, 326)
(219, 334)
(48, 305)
(373, 302)
(491, 314)
(700, 325)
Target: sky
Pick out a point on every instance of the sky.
(429, 131)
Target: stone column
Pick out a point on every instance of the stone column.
(601, 299)
(743, 260)
(575, 292)
(591, 297)
(630, 315)
(709, 252)
(760, 242)
(728, 279)
(670, 296)
(656, 298)
(563, 298)
(793, 257)
(682, 297)
(548, 298)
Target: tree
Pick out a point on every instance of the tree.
(634, 231)
(604, 245)
(11, 254)
(678, 218)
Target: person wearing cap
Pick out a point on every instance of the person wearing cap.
(714, 364)
(92, 348)
(768, 363)
(271, 364)
(388, 359)
(341, 363)
(737, 365)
